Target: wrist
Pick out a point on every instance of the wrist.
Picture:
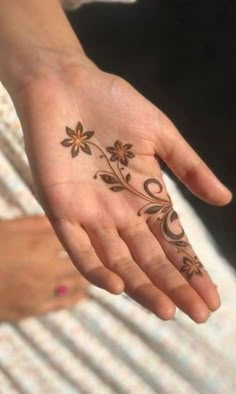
(41, 42)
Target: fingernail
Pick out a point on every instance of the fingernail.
(62, 290)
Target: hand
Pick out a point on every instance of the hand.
(93, 142)
(31, 270)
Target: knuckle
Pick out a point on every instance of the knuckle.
(178, 288)
(156, 263)
(190, 172)
(134, 229)
(121, 264)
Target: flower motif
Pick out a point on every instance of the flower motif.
(120, 153)
(77, 140)
(191, 267)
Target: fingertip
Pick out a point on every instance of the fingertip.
(225, 195)
(214, 303)
(200, 314)
(116, 286)
(216, 194)
(112, 283)
(166, 311)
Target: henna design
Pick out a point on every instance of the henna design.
(77, 140)
(119, 179)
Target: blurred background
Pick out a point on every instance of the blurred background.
(181, 56)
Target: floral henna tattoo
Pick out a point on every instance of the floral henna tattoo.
(77, 140)
(119, 179)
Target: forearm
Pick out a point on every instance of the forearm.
(35, 37)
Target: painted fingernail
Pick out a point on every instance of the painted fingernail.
(62, 290)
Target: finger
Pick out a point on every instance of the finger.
(189, 167)
(169, 232)
(115, 254)
(77, 244)
(147, 252)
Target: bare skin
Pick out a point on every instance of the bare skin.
(55, 86)
(31, 270)
(112, 246)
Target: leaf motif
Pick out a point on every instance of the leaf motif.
(153, 209)
(88, 134)
(128, 177)
(173, 216)
(165, 209)
(181, 244)
(116, 188)
(86, 149)
(109, 178)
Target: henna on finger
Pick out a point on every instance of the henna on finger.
(119, 178)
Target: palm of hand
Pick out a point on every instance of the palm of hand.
(102, 189)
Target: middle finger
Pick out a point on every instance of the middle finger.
(149, 255)
(115, 255)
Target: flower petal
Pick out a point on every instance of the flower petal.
(67, 142)
(71, 133)
(114, 157)
(118, 144)
(124, 160)
(127, 146)
(75, 150)
(111, 149)
(130, 154)
(86, 148)
(79, 128)
(87, 135)
(189, 274)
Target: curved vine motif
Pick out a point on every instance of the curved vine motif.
(119, 178)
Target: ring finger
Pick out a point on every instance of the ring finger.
(116, 256)
(170, 234)
(149, 255)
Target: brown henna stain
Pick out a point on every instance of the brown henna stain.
(118, 180)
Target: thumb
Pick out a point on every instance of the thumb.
(187, 165)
